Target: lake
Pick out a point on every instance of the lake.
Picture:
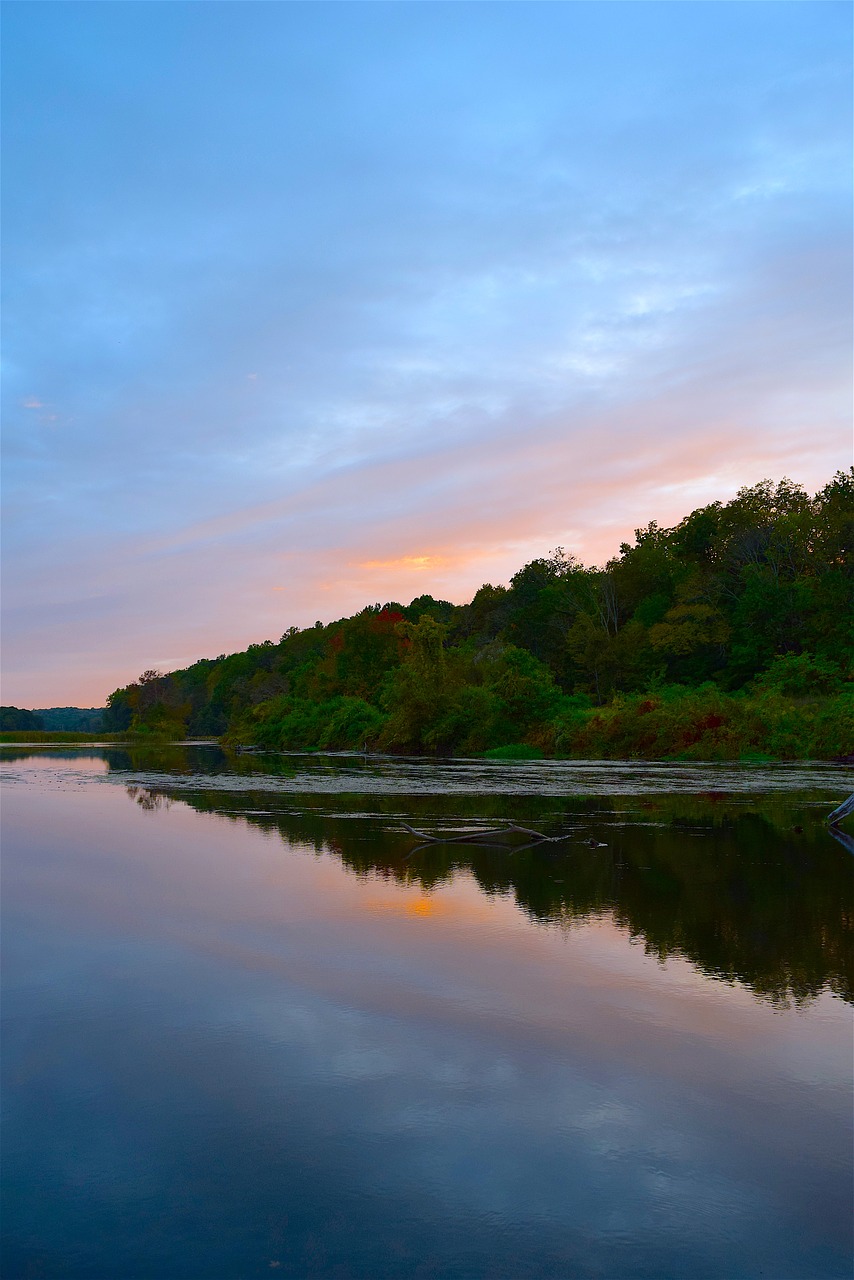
(253, 1027)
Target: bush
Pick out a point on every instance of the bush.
(674, 722)
(802, 676)
(299, 724)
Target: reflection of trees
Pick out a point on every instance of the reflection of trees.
(149, 800)
(730, 885)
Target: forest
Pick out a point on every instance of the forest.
(728, 636)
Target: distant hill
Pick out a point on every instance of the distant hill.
(67, 719)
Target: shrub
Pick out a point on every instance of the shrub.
(802, 675)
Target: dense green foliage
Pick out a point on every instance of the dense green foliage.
(728, 635)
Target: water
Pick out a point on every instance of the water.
(253, 1027)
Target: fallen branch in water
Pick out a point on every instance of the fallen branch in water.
(479, 837)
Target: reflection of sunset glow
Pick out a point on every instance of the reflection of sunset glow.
(403, 903)
(420, 907)
(459, 901)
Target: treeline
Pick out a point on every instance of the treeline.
(53, 719)
(729, 634)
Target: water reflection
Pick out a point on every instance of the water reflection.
(749, 895)
(748, 885)
(248, 1026)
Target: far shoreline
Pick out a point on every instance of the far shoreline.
(12, 738)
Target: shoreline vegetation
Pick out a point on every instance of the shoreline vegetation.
(727, 637)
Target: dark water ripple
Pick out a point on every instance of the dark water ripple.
(343, 774)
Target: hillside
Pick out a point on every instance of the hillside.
(729, 634)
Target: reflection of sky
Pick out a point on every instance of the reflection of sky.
(313, 305)
(215, 1043)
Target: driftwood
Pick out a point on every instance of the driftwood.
(843, 811)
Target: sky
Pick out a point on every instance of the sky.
(309, 306)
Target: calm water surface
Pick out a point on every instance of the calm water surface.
(254, 1028)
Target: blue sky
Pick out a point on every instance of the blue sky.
(313, 305)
